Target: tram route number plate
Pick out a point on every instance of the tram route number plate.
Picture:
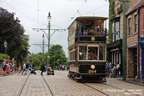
(91, 71)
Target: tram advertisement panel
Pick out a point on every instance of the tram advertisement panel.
(73, 67)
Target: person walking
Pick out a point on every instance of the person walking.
(31, 66)
(42, 68)
(24, 67)
(4, 67)
(27, 68)
(107, 68)
(19, 70)
(13, 66)
(7, 68)
(110, 69)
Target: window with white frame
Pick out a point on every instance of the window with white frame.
(92, 53)
(113, 35)
(82, 52)
(117, 26)
(136, 23)
(115, 30)
(102, 52)
(129, 26)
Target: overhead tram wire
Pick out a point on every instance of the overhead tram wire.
(21, 12)
(77, 12)
(39, 9)
(37, 17)
(38, 13)
(25, 5)
(96, 8)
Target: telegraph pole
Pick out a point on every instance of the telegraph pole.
(123, 43)
(48, 36)
(42, 47)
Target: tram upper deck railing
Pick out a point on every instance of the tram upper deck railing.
(91, 32)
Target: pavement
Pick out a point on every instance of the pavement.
(61, 85)
(10, 73)
(134, 81)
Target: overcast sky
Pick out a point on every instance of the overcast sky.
(33, 14)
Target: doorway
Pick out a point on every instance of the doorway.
(135, 61)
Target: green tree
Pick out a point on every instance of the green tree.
(37, 60)
(13, 32)
(56, 53)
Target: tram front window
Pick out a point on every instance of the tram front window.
(92, 53)
(82, 52)
(102, 53)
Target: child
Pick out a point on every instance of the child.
(79, 32)
(7, 70)
(84, 33)
(19, 70)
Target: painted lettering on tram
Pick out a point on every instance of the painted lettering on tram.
(92, 71)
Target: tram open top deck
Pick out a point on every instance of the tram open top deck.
(94, 26)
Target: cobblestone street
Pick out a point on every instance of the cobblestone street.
(61, 85)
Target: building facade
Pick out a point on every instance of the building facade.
(114, 47)
(135, 38)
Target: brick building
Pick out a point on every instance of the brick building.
(115, 46)
(135, 47)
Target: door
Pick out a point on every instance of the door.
(135, 62)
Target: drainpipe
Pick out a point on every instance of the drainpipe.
(138, 11)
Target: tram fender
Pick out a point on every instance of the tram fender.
(80, 77)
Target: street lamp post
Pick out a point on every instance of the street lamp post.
(32, 59)
(58, 62)
(43, 49)
(5, 46)
(49, 18)
(54, 56)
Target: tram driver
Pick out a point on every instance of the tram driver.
(92, 56)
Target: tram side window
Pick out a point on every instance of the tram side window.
(72, 55)
(82, 52)
(92, 53)
(102, 53)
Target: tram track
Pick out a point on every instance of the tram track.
(89, 86)
(23, 86)
(21, 90)
(52, 93)
(48, 87)
(102, 91)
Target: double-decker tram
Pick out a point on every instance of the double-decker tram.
(87, 48)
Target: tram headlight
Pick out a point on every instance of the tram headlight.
(92, 66)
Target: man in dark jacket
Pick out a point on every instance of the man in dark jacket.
(42, 68)
(27, 68)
